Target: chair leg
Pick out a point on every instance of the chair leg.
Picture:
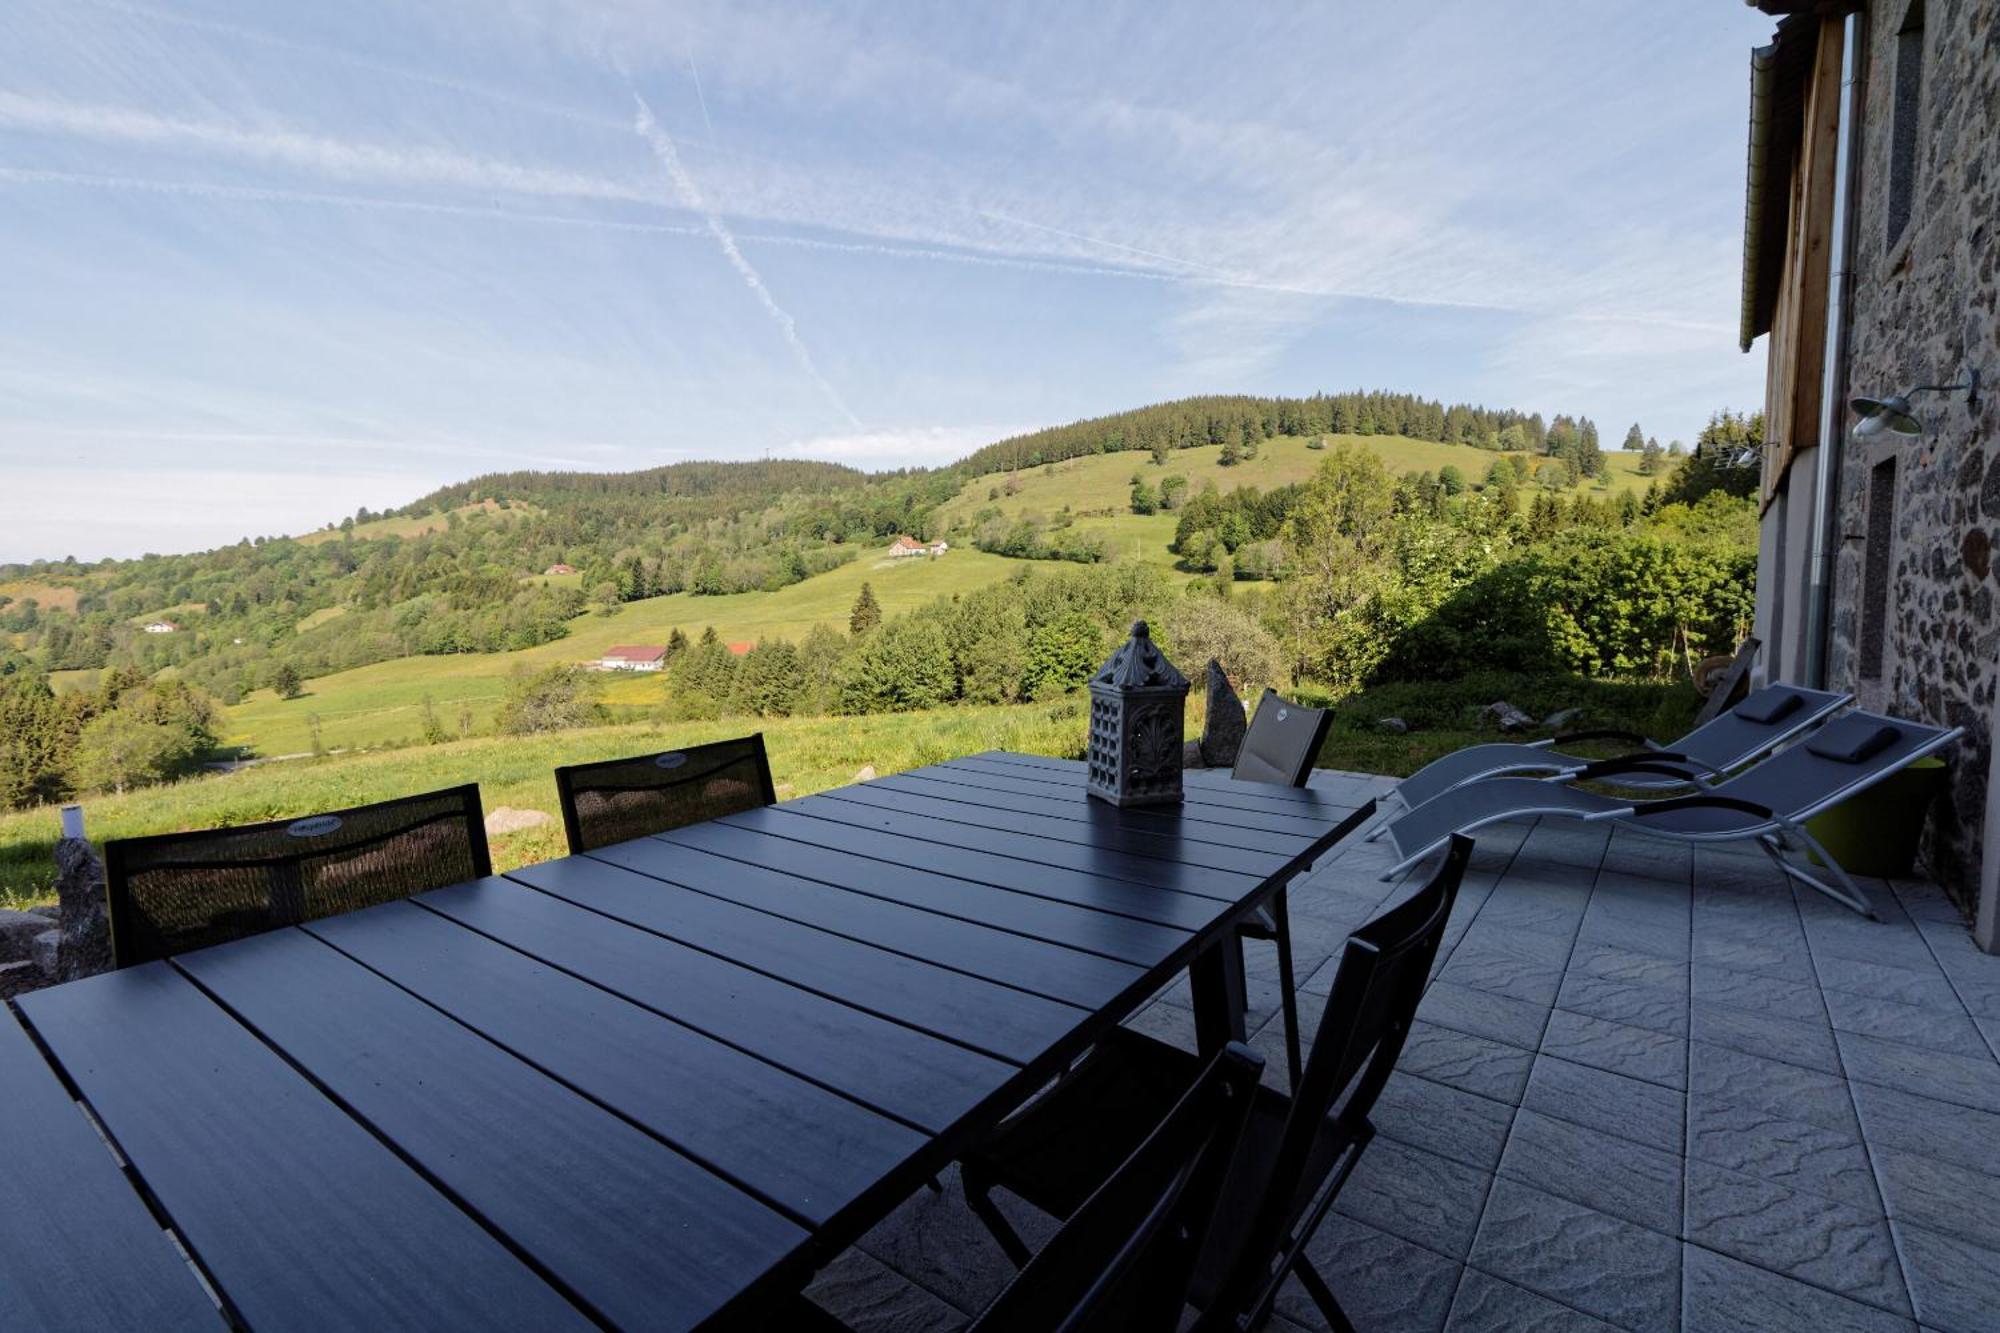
(1843, 890)
(1322, 1296)
(979, 1198)
(1288, 990)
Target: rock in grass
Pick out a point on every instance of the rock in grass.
(1222, 734)
(865, 773)
(1395, 726)
(84, 947)
(506, 819)
(1561, 718)
(1507, 717)
(43, 950)
(17, 933)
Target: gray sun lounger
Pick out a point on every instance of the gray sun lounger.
(1758, 724)
(1767, 803)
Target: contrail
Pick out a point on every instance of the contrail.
(702, 98)
(663, 148)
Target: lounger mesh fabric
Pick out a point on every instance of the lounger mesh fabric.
(1283, 741)
(622, 799)
(1793, 785)
(1720, 746)
(183, 891)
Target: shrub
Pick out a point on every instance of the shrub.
(552, 699)
(1198, 628)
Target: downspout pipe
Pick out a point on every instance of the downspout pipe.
(1825, 510)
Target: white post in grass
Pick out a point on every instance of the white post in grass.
(72, 821)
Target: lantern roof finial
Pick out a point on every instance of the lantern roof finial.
(1139, 664)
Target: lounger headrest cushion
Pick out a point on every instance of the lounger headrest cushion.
(1768, 705)
(1852, 740)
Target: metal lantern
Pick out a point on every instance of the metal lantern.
(1137, 702)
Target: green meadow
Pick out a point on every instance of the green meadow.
(382, 704)
(807, 755)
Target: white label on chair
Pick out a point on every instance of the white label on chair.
(674, 760)
(315, 826)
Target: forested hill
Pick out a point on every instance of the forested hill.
(510, 560)
(769, 476)
(1240, 419)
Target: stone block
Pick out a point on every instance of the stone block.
(17, 933)
(1222, 734)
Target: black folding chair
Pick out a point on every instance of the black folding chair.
(622, 799)
(1297, 1151)
(180, 891)
(1281, 746)
(1125, 1259)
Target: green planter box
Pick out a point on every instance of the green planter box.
(1876, 833)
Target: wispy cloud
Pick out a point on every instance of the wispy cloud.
(323, 155)
(669, 157)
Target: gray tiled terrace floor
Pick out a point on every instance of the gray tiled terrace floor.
(1649, 1089)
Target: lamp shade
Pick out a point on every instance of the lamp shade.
(1892, 414)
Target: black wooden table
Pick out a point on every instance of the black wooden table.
(648, 1087)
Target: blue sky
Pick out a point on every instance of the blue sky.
(261, 264)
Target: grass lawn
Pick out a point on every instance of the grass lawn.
(1104, 481)
(807, 755)
(382, 704)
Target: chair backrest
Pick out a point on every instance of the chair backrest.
(622, 799)
(1757, 724)
(1730, 684)
(1126, 1259)
(180, 891)
(1283, 741)
(1846, 756)
(1384, 968)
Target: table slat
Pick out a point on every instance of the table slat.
(1185, 829)
(290, 1205)
(964, 946)
(848, 828)
(78, 1250)
(983, 1015)
(1201, 804)
(920, 1079)
(807, 1151)
(983, 843)
(603, 1207)
(1206, 786)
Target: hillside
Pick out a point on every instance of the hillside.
(383, 703)
(443, 598)
(1097, 482)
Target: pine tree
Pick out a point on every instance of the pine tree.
(286, 681)
(867, 613)
(1635, 439)
(677, 643)
(1232, 454)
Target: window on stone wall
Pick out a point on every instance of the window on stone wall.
(1879, 568)
(1905, 121)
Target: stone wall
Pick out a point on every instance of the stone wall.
(1924, 307)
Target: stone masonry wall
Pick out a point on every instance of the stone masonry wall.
(1923, 308)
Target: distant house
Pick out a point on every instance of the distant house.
(742, 647)
(558, 568)
(633, 657)
(908, 546)
(160, 627)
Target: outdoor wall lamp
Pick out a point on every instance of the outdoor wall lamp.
(1894, 414)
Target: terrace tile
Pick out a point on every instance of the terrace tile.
(1738, 1107)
